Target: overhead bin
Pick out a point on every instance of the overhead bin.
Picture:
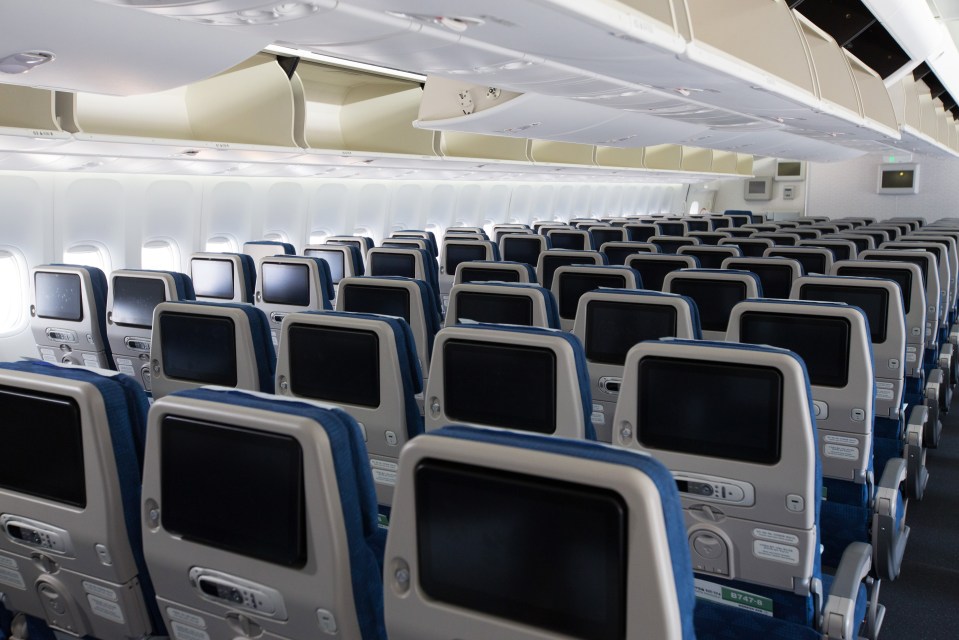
(562, 153)
(251, 103)
(724, 162)
(926, 128)
(738, 69)
(256, 120)
(29, 121)
(664, 156)
(356, 111)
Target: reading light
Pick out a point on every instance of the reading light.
(24, 61)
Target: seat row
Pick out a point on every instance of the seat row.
(197, 308)
(256, 515)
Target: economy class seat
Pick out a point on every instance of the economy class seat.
(72, 553)
(710, 257)
(551, 260)
(506, 377)
(814, 260)
(206, 343)
(133, 295)
(293, 551)
(570, 282)
(68, 315)
(407, 263)
(895, 434)
(345, 261)
(406, 298)
(523, 247)
(715, 292)
(589, 526)
(223, 277)
(292, 283)
(834, 343)
(734, 424)
(775, 275)
(364, 364)
(259, 249)
(453, 252)
(653, 268)
(528, 305)
(924, 380)
(618, 252)
(489, 271)
(609, 322)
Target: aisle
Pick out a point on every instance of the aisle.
(923, 604)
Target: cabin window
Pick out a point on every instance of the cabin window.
(276, 236)
(14, 284)
(160, 255)
(319, 236)
(222, 244)
(694, 208)
(89, 254)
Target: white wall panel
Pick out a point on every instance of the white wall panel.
(543, 205)
(228, 209)
(407, 210)
(849, 189)
(468, 210)
(286, 207)
(171, 210)
(520, 204)
(440, 209)
(496, 205)
(330, 210)
(93, 210)
(26, 223)
(580, 203)
(372, 211)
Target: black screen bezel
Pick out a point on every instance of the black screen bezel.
(558, 497)
(289, 552)
(668, 438)
(119, 282)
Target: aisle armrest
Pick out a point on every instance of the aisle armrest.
(915, 452)
(839, 617)
(889, 531)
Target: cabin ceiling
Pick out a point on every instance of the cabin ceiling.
(603, 55)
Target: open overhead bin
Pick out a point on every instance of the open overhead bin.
(261, 118)
(926, 128)
(28, 121)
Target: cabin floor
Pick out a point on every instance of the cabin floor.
(923, 603)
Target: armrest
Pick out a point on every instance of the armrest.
(950, 369)
(934, 396)
(889, 532)
(839, 615)
(915, 454)
(954, 334)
